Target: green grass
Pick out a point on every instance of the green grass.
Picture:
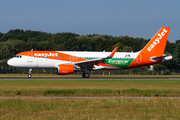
(18, 108)
(107, 92)
(89, 87)
(88, 109)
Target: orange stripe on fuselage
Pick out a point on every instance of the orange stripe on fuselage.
(53, 55)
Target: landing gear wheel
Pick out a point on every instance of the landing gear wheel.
(85, 75)
(29, 76)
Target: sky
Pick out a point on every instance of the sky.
(136, 18)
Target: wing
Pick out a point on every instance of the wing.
(91, 63)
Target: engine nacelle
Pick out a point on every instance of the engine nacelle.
(64, 69)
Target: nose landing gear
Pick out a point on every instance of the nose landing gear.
(30, 71)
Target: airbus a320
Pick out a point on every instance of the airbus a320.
(68, 62)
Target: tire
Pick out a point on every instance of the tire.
(86, 75)
(29, 76)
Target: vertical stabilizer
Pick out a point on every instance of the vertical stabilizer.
(154, 48)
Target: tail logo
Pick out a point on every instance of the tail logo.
(157, 40)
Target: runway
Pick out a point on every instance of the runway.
(92, 78)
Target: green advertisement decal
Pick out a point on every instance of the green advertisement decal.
(121, 63)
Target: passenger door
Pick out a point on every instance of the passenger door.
(29, 57)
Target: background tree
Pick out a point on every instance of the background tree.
(1, 34)
(159, 67)
(177, 53)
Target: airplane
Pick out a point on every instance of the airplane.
(68, 62)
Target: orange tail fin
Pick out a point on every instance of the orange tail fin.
(157, 44)
(154, 48)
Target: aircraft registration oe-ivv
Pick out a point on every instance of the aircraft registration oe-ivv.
(68, 62)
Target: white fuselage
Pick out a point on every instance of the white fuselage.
(46, 62)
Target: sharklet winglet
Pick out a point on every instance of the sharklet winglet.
(113, 52)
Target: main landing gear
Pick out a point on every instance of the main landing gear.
(85, 75)
(30, 71)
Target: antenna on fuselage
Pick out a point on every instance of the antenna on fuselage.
(32, 50)
(103, 50)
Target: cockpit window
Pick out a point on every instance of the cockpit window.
(18, 56)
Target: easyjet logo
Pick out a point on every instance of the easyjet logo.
(46, 54)
(157, 40)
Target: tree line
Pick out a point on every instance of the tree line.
(18, 40)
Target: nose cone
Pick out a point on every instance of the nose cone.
(10, 62)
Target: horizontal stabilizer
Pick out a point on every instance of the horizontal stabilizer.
(164, 58)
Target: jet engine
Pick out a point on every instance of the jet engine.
(64, 69)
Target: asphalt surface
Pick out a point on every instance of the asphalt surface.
(92, 78)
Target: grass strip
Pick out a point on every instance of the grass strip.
(90, 87)
(87, 109)
(108, 92)
(91, 92)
